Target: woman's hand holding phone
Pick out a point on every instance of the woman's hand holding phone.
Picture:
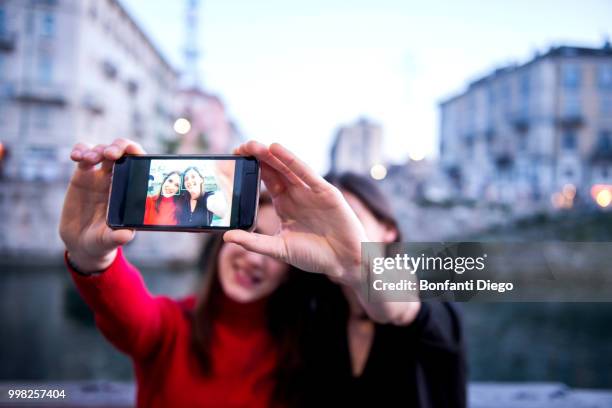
(319, 231)
(91, 244)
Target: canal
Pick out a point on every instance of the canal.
(48, 334)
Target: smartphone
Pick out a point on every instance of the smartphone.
(194, 193)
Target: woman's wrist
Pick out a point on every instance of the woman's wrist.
(88, 265)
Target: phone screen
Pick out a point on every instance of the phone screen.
(184, 193)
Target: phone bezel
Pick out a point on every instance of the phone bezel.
(176, 228)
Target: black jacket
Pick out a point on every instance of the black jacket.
(200, 217)
(422, 365)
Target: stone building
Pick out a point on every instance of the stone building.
(525, 133)
(357, 147)
(70, 70)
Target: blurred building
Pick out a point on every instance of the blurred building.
(357, 147)
(70, 70)
(526, 132)
(210, 129)
(77, 70)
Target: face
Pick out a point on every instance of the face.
(247, 276)
(376, 230)
(193, 182)
(171, 185)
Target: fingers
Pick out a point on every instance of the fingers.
(262, 153)
(272, 179)
(88, 157)
(112, 239)
(120, 147)
(272, 246)
(298, 167)
(278, 158)
(85, 156)
(78, 150)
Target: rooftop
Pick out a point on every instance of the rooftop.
(563, 51)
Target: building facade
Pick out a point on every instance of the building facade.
(526, 133)
(357, 147)
(210, 129)
(76, 70)
(70, 70)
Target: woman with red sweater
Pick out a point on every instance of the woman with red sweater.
(160, 209)
(238, 341)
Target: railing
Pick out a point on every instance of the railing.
(7, 41)
(53, 93)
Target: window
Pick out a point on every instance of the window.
(45, 68)
(48, 25)
(522, 142)
(571, 106)
(570, 76)
(604, 144)
(524, 84)
(491, 95)
(42, 115)
(2, 21)
(30, 22)
(568, 140)
(605, 105)
(604, 76)
(40, 163)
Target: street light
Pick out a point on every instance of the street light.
(378, 172)
(416, 155)
(602, 194)
(603, 198)
(182, 126)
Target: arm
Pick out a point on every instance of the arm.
(217, 205)
(124, 310)
(149, 214)
(319, 230)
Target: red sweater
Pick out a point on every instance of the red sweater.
(156, 332)
(166, 214)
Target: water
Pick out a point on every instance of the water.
(48, 334)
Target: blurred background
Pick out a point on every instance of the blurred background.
(481, 120)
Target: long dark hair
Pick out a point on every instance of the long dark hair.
(370, 195)
(306, 315)
(285, 317)
(194, 168)
(160, 195)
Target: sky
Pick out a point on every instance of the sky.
(294, 71)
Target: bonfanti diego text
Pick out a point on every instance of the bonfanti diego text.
(414, 264)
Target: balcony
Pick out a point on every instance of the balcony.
(93, 104)
(53, 94)
(504, 161)
(570, 119)
(7, 41)
(520, 121)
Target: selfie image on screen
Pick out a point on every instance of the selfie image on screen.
(194, 193)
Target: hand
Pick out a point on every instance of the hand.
(91, 244)
(319, 231)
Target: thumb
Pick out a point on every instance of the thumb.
(272, 246)
(114, 238)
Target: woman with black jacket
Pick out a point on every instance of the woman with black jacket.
(196, 205)
(353, 351)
